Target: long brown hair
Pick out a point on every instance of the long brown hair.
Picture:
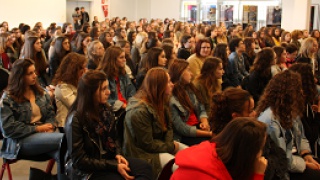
(69, 68)
(152, 92)
(181, 88)
(85, 104)
(240, 136)
(208, 77)
(108, 63)
(284, 96)
(16, 82)
(221, 52)
(38, 57)
(262, 63)
(223, 104)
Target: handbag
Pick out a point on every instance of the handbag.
(38, 174)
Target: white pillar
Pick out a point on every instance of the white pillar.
(295, 14)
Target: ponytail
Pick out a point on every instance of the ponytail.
(229, 101)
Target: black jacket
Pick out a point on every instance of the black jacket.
(85, 154)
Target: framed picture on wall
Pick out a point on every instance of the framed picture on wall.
(274, 14)
(189, 11)
(250, 15)
(209, 13)
(226, 15)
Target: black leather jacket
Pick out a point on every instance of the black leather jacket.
(85, 154)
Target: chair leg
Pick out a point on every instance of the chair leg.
(2, 170)
(9, 171)
(50, 165)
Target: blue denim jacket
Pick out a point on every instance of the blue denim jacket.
(127, 90)
(180, 116)
(15, 121)
(277, 134)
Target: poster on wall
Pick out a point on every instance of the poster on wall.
(250, 15)
(226, 14)
(189, 11)
(105, 7)
(209, 13)
(274, 15)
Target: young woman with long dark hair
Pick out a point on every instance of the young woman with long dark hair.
(61, 48)
(28, 121)
(120, 85)
(33, 50)
(209, 81)
(148, 126)
(190, 120)
(93, 148)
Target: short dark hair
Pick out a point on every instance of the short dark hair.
(291, 48)
(199, 43)
(234, 43)
(76, 9)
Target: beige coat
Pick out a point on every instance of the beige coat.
(65, 94)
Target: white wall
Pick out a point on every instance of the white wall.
(295, 14)
(165, 9)
(32, 11)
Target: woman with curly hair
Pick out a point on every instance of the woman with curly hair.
(190, 120)
(260, 73)
(280, 107)
(209, 81)
(311, 114)
(229, 104)
(66, 80)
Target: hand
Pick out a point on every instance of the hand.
(176, 147)
(124, 105)
(121, 160)
(50, 90)
(204, 125)
(123, 169)
(260, 165)
(311, 163)
(45, 128)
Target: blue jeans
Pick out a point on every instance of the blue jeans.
(43, 144)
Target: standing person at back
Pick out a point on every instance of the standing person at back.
(76, 16)
(84, 15)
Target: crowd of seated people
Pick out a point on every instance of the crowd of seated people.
(225, 103)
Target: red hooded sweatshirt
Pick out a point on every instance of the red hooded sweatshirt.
(201, 162)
